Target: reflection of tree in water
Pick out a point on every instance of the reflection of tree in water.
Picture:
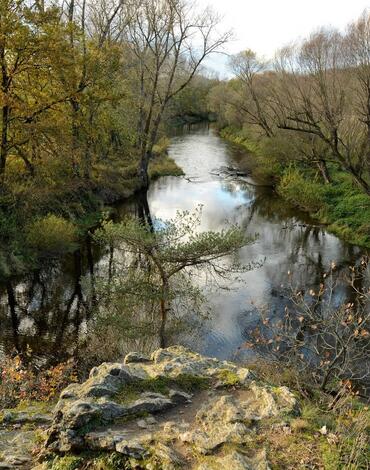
(45, 310)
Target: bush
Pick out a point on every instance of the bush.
(21, 382)
(161, 147)
(164, 166)
(301, 192)
(52, 235)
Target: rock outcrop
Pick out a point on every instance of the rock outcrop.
(176, 409)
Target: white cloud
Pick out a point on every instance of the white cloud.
(266, 25)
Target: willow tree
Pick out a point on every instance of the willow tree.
(155, 269)
(167, 41)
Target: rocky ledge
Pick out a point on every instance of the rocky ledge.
(175, 409)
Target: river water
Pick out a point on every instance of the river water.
(48, 309)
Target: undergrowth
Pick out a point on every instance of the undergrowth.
(341, 204)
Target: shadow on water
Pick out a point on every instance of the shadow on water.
(48, 309)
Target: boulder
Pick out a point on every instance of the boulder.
(134, 357)
(109, 412)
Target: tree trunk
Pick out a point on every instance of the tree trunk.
(75, 136)
(144, 210)
(364, 185)
(321, 164)
(4, 141)
(143, 170)
(164, 310)
(13, 314)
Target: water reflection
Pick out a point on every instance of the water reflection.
(288, 240)
(48, 309)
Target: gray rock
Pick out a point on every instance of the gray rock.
(142, 423)
(69, 441)
(30, 415)
(82, 412)
(135, 357)
(236, 461)
(104, 440)
(151, 420)
(132, 448)
(225, 418)
(149, 405)
(70, 392)
(177, 396)
(169, 459)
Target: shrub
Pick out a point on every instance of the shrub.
(19, 381)
(306, 194)
(161, 147)
(52, 235)
(164, 166)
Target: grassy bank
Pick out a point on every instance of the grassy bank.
(48, 215)
(341, 205)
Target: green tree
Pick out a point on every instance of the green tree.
(157, 267)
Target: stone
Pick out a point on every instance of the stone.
(167, 457)
(135, 357)
(71, 391)
(236, 461)
(266, 402)
(104, 440)
(69, 441)
(22, 417)
(177, 396)
(88, 415)
(151, 420)
(136, 448)
(18, 460)
(82, 412)
(149, 405)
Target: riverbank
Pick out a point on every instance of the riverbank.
(340, 205)
(179, 409)
(45, 218)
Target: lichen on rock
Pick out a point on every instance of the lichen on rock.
(176, 409)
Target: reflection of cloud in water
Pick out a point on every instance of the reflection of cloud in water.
(286, 240)
(52, 307)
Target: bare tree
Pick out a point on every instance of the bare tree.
(252, 100)
(357, 59)
(168, 41)
(313, 97)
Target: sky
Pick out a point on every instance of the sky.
(267, 25)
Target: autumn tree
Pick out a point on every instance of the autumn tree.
(31, 40)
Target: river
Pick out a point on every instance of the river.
(48, 309)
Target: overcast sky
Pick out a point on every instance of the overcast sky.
(266, 25)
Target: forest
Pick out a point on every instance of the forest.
(85, 90)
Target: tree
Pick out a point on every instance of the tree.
(314, 96)
(252, 99)
(31, 41)
(157, 267)
(168, 41)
